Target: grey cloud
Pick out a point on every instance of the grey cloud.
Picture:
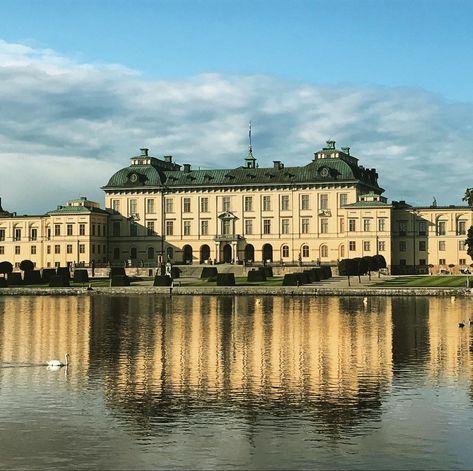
(66, 127)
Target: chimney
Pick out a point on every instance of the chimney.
(168, 158)
(144, 152)
(187, 168)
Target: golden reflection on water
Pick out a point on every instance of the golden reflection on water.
(269, 347)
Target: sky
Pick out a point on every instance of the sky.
(85, 84)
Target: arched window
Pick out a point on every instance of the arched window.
(285, 251)
(150, 253)
(169, 253)
(133, 252)
(324, 251)
(305, 251)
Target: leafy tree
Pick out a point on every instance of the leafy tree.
(380, 263)
(469, 242)
(370, 263)
(26, 265)
(5, 268)
(343, 268)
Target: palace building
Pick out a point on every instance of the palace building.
(157, 210)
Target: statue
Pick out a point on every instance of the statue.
(468, 196)
(434, 203)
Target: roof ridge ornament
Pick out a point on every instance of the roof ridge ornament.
(250, 161)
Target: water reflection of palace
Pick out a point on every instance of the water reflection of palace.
(317, 354)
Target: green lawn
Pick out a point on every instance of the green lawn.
(447, 281)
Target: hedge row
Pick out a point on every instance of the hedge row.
(311, 275)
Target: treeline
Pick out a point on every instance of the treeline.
(360, 266)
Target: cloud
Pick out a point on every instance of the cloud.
(66, 127)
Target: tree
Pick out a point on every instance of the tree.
(469, 242)
(343, 268)
(5, 268)
(380, 263)
(26, 265)
(370, 264)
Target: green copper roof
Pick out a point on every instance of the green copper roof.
(318, 171)
(77, 209)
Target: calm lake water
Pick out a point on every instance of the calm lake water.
(236, 383)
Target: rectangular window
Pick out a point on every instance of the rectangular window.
(248, 226)
(93, 229)
(342, 225)
(285, 226)
(402, 246)
(17, 235)
(17, 250)
(305, 202)
(33, 250)
(98, 248)
(352, 245)
(366, 245)
(187, 228)
(133, 229)
(204, 205)
(422, 228)
(226, 203)
(2, 234)
(57, 230)
(34, 234)
(366, 225)
(266, 226)
(169, 228)
(248, 203)
(381, 224)
(422, 261)
(422, 245)
(150, 206)
(186, 205)
(381, 246)
(343, 199)
(115, 229)
(352, 225)
(324, 226)
(57, 249)
(441, 227)
(81, 248)
(116, 205)
(304, 226)
(150, 228)
(93, 248)
(226, 227)
(462, 261)
(323, 201)
(69, 229)
(402, 228)
(204, 227)
(441, 245)
(285, 203)
(266, 203)
(461, 229)
(69, 248)
(442, 261)
(133, 207)
(81, 229)
(168, 205)
(2, 249)
(48, 249)
(461, 245)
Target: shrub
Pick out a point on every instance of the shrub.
(26, 265)
(162, 280)
(211, 279)
(3, 283)
(81, 276)
(32, 277)
(14, 278)
(327, 271)
(47, 274)
(304, 278)
(59, 281)
(207, 272)
(268, 271)
(225, 279)
(120, 280)
(117, 271)
(310, 275)
(64, 272)
(290, 279)
(317, 274)
(256, 275)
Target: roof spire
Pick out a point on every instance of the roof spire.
(249, 159)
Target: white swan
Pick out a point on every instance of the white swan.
(59, 363)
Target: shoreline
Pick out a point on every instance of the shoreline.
(238, 291)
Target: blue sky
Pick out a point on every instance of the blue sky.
(391, 77)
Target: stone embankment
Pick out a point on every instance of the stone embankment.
(237, 291)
